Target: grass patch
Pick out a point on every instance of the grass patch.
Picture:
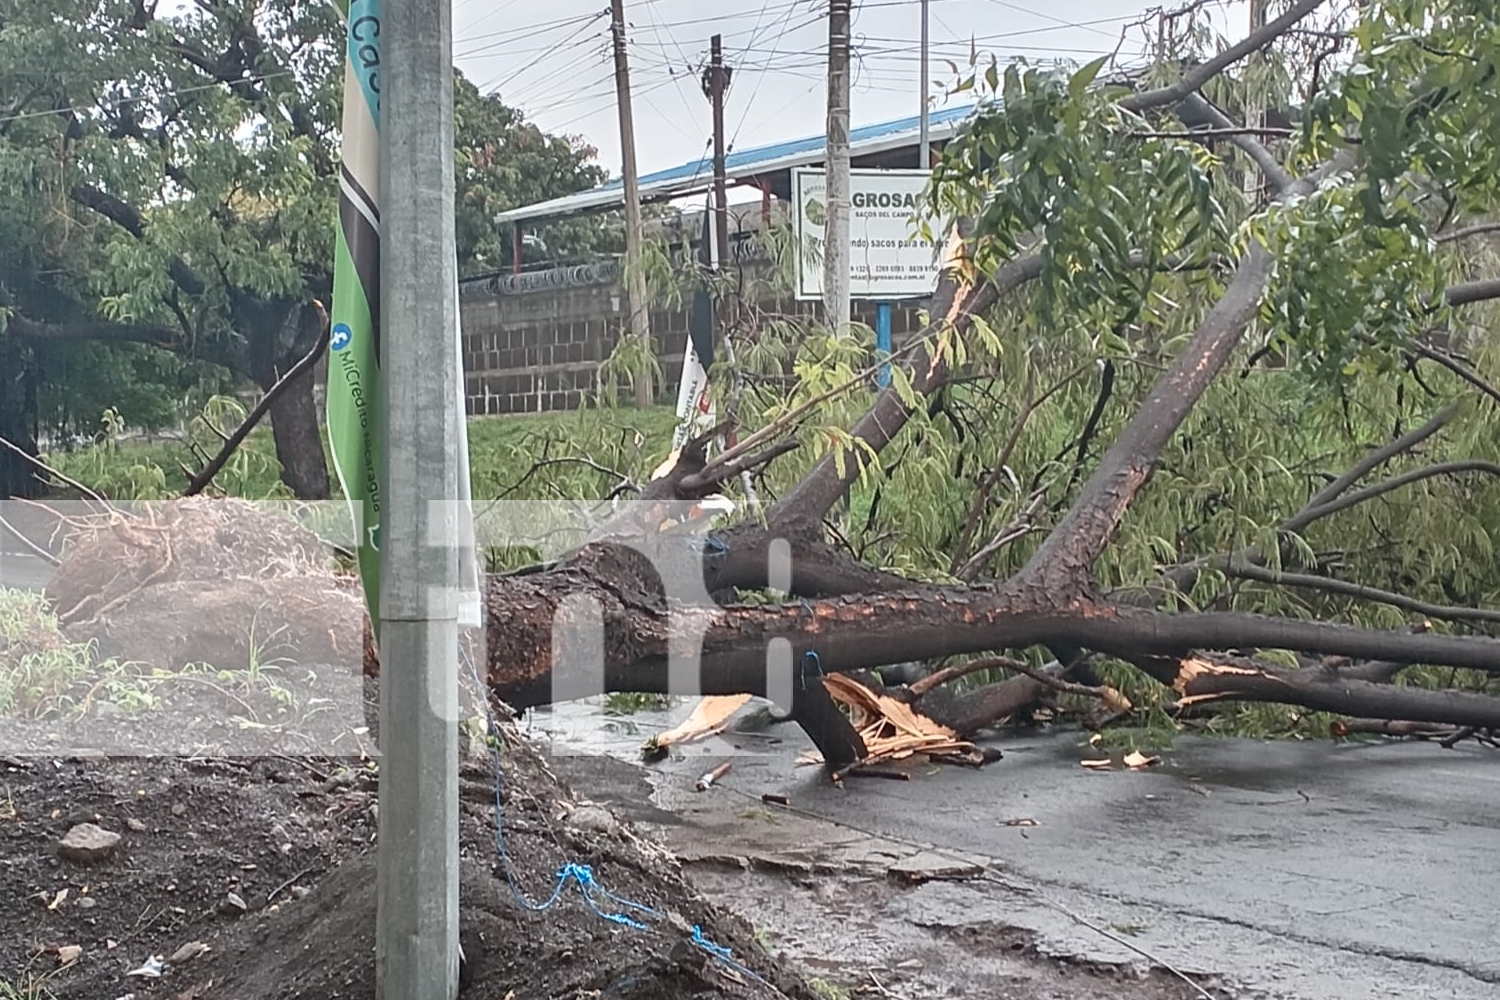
(629, 703)
(28, 988)
(502, 450)
(44, 676)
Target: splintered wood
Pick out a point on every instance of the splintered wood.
(891, 729)
(710, 717)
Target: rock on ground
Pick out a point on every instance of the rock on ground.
(86, 843)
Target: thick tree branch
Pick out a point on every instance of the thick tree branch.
(954, 304)
(1067, 556)
(135, 333)
(1202, 679)
(1196, 77)
(1471, 292)
(641, 633)
(129, 218)
(1194, 108)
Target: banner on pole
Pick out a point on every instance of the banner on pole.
(695, 409)
(356, 421)
(355, 424)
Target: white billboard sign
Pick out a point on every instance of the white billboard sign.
(887, 259)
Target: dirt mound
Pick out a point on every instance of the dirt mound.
(292, 841)
(109, 558)
(209, 581)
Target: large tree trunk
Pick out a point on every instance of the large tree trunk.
(294, 413)
(299, 445)
(18, 477)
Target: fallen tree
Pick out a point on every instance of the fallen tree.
(1022, 231)
(1339, 273)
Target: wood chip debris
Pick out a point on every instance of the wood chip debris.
(1134, 760)
(893, 730)
(709, 718)
(706, 782)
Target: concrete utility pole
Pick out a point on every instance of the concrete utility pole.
(836, 232)
(635, 283)
(715, 83)
(924, 154)
(416, 935)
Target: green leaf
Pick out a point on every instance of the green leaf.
(1080, 80)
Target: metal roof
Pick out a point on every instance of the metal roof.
(697, 175)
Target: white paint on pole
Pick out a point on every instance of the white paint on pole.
(416, 930)
(888, 260)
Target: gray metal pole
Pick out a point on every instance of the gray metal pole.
(924, 155)
(416, 936)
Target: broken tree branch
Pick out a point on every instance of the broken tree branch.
(233, 441)
(49, 470)
(1203, 679)
(1066, 558)
(1195, 78)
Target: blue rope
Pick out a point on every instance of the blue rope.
(709, 546)
(583, 875)
(817, 665)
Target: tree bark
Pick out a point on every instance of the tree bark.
(18, 477)
(287, 332)
(299, 445)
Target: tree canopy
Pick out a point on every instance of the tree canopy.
(167, 207)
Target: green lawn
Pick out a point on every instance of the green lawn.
(502, 450)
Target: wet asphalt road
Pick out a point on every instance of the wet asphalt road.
(22, 571)
(1288, 870)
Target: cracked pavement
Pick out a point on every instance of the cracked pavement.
(1286, 870)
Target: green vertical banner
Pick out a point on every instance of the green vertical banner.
(356, 419)
(356, 423)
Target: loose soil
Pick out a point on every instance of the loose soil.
(270, 863)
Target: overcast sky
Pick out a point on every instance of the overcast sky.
(553, 60)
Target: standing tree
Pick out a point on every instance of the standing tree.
(1147, 422)
(168, 182)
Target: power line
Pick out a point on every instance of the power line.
(686, 63)
(755, 91)
(525, 33)
(561, 42)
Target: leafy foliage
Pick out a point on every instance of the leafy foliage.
(170, 175)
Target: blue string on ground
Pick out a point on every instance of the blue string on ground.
(583, 875)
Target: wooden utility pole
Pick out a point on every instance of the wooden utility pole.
(635, 282)
(836, 233)
(715, 83)
(924, 153)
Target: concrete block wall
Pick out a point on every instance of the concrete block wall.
(531, 351)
